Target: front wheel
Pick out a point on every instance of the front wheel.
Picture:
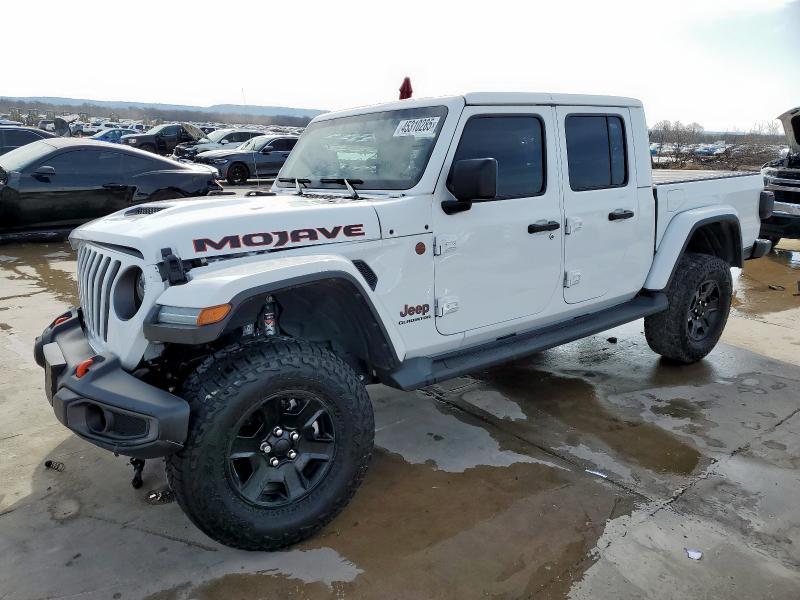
(280, 437)
(238, 173)
(699, 302)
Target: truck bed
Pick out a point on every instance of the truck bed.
(667, 176)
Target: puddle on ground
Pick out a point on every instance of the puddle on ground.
(50, 266)
(752, 293)
(574, 402)
(419, 532)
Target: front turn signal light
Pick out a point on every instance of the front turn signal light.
(213, 314)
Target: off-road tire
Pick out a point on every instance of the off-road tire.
(240, 169)
(220, 391)
(667, 332)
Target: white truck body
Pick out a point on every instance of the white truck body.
(481, 270)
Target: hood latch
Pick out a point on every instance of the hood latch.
(172, 268)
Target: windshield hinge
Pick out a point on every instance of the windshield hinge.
(172, 268)
(444, 244)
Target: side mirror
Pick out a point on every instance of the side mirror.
(44, 172)
(223, 141)
(471, 180)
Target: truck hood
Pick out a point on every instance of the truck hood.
(220, 225)
(791, 128)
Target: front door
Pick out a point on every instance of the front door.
(501, 259)
(603, 224)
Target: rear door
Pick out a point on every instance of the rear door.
(501, 259)
(602, 220)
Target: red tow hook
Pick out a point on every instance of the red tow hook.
(83, 367)
(60, 320)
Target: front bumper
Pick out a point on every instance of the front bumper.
(108, 406)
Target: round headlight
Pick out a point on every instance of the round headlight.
(139, 288)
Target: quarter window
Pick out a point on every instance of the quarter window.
(516, 143)
(596, 152)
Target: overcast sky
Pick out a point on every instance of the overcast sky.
(723, 63)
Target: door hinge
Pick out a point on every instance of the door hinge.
(444, 244)
(446, 305)
(573, 225)
(572, 278)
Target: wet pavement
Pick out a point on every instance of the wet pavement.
(582, 472)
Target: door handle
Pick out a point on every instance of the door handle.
(620, 214)
(543, 226)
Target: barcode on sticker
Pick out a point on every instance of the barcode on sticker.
(424, 127)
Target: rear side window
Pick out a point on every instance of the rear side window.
(19, 137)
(596, 152)
(283, 145)
(516, 142)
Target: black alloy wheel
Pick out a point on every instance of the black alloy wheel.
(704, 311)
(283, 449)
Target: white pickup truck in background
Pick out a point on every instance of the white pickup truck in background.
(404, 244)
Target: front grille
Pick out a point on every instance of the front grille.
(96, 275)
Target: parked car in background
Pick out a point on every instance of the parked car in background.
(261, 156)
(91, 128)
(208, 128)
(162, 139)
(46, 125)
(215, 140)
(112, 135)
(60, 183)
(12, 137)
(782, 177)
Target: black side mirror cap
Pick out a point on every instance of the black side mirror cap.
(471, 180)
(45, 171)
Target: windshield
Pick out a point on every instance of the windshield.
(22, 157)
(156, 129)
(217, 135)
(387, 150)
(256, 144)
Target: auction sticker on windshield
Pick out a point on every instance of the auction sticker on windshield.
(424, 127)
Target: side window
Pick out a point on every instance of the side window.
(516, 142)
(596, 153)
(16, 138)
(86, 162)
(132, 165)
(170, 131)
(283, 145)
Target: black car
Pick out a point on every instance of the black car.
(12, 137)
(162, 139)
(62, 182)
(262, 156)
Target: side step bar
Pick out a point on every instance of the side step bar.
(418, 372)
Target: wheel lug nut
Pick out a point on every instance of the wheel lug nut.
(265, 448)
(291, 454)
(278, 431)
(295, 436)
(274, 461)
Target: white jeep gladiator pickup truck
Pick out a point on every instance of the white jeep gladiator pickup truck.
(402, 244)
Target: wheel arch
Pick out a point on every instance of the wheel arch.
(716, 234)
(333, 307)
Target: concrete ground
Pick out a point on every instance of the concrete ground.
(584, 472)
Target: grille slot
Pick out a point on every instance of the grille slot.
(96, 275)
(367, 273)
(144, 210)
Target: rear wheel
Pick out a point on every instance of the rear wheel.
(238, 173)
(280, 437)
(699, 302)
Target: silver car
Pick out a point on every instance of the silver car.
(262, 156)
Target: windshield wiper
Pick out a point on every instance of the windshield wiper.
(345, 182)
(296, 181)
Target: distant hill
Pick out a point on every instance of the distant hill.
(233, 109)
